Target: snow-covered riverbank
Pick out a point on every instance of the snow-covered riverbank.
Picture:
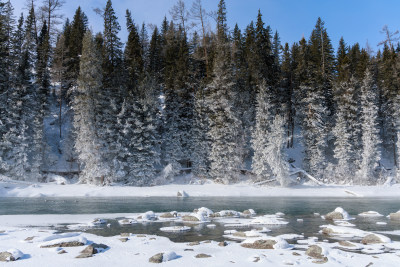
(24, 189)
(40, 246)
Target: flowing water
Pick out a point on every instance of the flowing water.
(293, 207)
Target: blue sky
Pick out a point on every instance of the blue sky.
(355, 20)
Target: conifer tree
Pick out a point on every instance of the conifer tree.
(88, 145)
(201, 140)
(110, 98)
(321, 63)
(224, 124)
(389, 91)
(133, 55)
(178, 99)
(260, 139)
(73, 36)
(343, 64)
(346, 131)
(138, 121)
(370, 154)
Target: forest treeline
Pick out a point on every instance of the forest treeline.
(179, 96)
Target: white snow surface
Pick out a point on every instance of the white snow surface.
(11, 188)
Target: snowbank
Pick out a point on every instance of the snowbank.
(10, 188)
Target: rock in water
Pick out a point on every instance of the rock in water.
(182, 193)
(190, 218)
(395, 216)
(334, 216)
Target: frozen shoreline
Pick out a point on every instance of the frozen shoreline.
(25, 189)
(30, 244)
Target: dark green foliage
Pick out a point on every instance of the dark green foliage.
(133, 56)
(112, 48)
(73, 36)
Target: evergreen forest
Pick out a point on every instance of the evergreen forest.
(180, 99)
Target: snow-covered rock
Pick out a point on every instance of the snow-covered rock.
(148, 216)
(169, 256)
(249, 212)
(227, 213)
(205, 211)
(97, 222)
(338, 214)
(163, 257)
(52, 178)
(370, 214)
(182, 193)
(56, 236)
(127, 221)
(11, 254)
(342, 231)
(266, 243)
(74, 241)
(375, 239)
(175, 229)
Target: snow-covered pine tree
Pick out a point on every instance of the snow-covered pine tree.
(6, 31)
(269, 141)
(389, 91)
(110, 98)
(19, 110)
(42, 82)
(277, 157)
(314, 132)
(138, 121)
(178, 110)
(224, 124)
(346, 131)
(201, 141)
(88, 146)
(370, 154)
(260, 140)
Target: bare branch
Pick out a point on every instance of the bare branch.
(391, 37)
(180, 14)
